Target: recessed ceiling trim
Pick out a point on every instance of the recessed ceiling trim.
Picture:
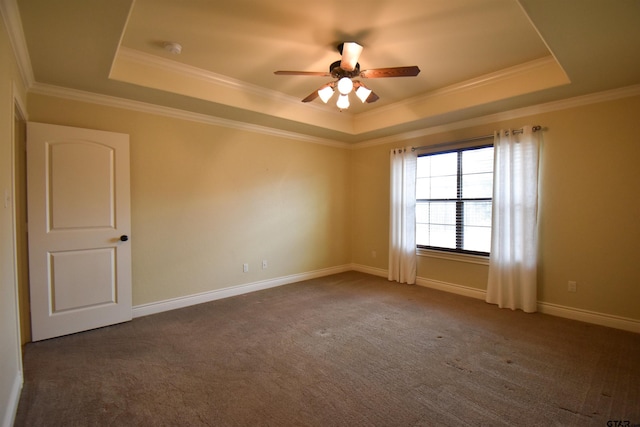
(147, 70)
(521, 79)
(535, 27)
(152, 71)
(547, 62)
(209, 76)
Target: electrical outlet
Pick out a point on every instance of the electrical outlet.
(264, 263)
(245, 267)
(373, 254)
(572, 286)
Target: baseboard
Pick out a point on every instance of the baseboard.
(596, 318)
(602, 319)
(453, 288)
(189, 300)
(587, 316)
(370, 270)
(14, 399)
(427, 283)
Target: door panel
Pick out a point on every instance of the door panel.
(82, 279)
(81, 203)
(78, 207)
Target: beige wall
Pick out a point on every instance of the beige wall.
(206, 199)
(10, 366)
(589, 228)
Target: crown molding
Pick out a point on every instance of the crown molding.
(155, 72)
(11, 17)
(467, 85)
(205, 75)
(111, 101)
(564, 104)
(217, 80)
(19, 101)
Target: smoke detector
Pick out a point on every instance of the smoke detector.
(173, 47)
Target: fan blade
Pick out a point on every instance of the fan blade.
(372, 98)
(391, 72)
(350, 53)
(314, 95)
(302, 73)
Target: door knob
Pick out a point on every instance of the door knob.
(124, 238)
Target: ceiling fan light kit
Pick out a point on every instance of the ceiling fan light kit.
(345, 86)
(344, 71)
(343, 102)
(325, 93)
(363, 93)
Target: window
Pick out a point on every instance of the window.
(453, 200)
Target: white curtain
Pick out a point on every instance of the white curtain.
(514, 235)
(402, 227)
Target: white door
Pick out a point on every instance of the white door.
(79, 224)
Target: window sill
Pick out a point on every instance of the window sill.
(471, 259)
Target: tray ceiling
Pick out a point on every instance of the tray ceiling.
(476, 57)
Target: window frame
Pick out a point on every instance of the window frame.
(447, 253)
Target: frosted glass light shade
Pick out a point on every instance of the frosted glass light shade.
(343, 102)
(325, 93)
(363, 93)
(345, 85)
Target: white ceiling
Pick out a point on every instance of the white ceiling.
(476, 57)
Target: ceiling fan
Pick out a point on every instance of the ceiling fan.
(345, 71)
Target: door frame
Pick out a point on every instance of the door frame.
(21, 243)
(18, 112)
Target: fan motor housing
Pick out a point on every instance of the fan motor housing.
(338, 73)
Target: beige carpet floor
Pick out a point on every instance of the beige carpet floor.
(344, 350)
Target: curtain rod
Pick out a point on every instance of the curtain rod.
(476, 138)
